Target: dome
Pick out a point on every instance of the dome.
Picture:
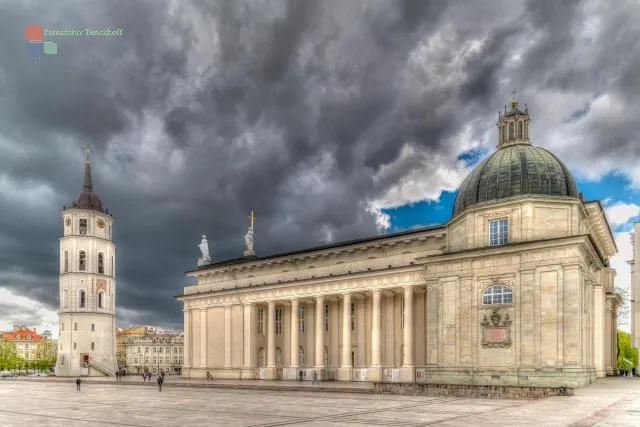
(89, 200)
(516, 169)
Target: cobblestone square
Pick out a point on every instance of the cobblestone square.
(39, 402)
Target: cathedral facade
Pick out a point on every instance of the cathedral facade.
(87, 339)
(515, 289)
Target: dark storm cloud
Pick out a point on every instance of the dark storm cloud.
(201, 111)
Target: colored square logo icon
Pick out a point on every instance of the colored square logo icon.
(50, 48)
(33, 49)
(33, 33)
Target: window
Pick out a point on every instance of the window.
(353, 358)
(82, 261)
(112, 265)
(326, 317)
(66, 261)
(75, 326)
(261, 321)
(504, 133)
(83, 299)
(325, 356)
(100, 299)
(93, 327)
(83, 226)
(93, 347)
(160, 350)
(301, 319)
(62, 327)
(154, 349)
(278, 321)
(65, 298)
(353, 316)
(100, 263)
(512, 134)
(138, 350)
(498, 232)
(135, 360)
(520, 127)
(497, 294)
(402, 315)
(74, 346)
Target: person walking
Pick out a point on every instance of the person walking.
(78, 381)
(160, 381)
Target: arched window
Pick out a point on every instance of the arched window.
(520, 129)
(82, 261)
(504, 133)
(66, 261)
(100, 263)
(83, 299)
(512, 134)
(497, 294)
(100, 299)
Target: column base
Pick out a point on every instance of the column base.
(345, 373)
(610, 371)
(374, 374)
(247, 373)
(270, 373)
(408, 374)
(600, 374)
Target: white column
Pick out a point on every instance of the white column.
(408, 327)
(248, 347)
(346, 331)
(271, 337)
(294, 333)
(375, 330)
(319, 332)
(203, 337)
(598, 330)
(227, 337)
(186, 342)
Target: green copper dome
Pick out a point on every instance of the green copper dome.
(516, 169)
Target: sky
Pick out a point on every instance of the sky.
(331, 119)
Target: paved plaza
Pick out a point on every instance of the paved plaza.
(45, 402)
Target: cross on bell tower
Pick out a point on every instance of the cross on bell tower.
(513, 125)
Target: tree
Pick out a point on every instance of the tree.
(627, 355)
(45, 355)
(9, 359)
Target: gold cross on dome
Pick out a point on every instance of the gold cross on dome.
(252, 217)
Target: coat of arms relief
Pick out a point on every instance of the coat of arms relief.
(496, 330)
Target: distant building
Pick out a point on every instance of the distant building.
(144, 348)
(25, 341)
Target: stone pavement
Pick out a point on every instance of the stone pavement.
(51, 402)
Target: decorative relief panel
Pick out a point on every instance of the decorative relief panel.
(496, 330)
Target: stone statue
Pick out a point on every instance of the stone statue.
(204, 259)
(248, 243)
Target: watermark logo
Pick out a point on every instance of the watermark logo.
(36, 47)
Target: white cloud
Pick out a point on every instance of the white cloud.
(621, 213)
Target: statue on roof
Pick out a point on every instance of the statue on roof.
(248, 238)
(204, 259)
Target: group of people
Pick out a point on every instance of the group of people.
(627, 373)
(147, 376)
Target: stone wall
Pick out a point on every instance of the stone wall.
(472, 391)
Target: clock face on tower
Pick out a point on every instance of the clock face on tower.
(68, 222)
(100, 223)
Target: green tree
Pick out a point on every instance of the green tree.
(9, 359)
(627, 355)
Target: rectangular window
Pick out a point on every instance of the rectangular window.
(326, 317)
(301, 319)
(402, 315)
(65, 300)
(75, 326)
(66, 261)
(82, 262)
(100, 263)
(353, 316)
(261, 321)
(83, 226)
(498, 232)
(278, 321)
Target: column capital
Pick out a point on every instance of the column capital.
(271, 303)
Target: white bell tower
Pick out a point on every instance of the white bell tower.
(87, 340)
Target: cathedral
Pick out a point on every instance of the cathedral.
(515, 289)
(87, 339)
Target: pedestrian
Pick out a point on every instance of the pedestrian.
(160, 381)
(144, 376)
(117, 376)
(78, 381)
(315, 378)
